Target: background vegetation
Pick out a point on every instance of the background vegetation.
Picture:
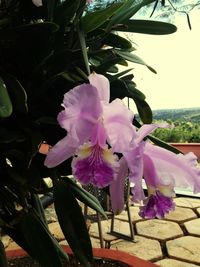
(185, 125)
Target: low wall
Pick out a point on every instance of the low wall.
(188, 147)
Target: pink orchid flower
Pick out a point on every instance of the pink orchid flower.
(92, 123)
(161, 170)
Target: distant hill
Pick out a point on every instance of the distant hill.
(183, 114)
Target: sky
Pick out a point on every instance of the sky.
(176, 58)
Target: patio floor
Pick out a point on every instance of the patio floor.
(170, 242)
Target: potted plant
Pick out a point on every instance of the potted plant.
(48, 50)
(104, 257)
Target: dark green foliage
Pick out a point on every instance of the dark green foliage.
(72, 222)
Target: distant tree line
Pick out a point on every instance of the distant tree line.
(185, 125)
(184, 114)
(180, 132)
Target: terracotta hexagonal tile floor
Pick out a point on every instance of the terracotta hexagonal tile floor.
(193, 227)
(159, 229)
(145, 248)
(186, 248)
(181, 214)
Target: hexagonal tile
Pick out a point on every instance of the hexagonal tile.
(181, 215)
(144, 248)
(134, 215)
(120, 226)
(193, 227)
(159, 229)
(185, 248)
(174, 263)
(187, 202)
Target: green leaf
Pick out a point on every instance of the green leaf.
(6, 108)
(17, 94)
(127, 10)
(113, 69)
(36, 202)
(118, 89)
(147, 27)
(94, 20)
(39, 240)
(117, 41)
(3, 260)
(118, 75)
(133, 58)
(144, 111)
(133, 92)
(107, 65)
(72, 222)
(81, 35)
(23, 237)
(85, 197)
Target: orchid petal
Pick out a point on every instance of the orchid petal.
(82, 110)
(118, 124)
(62, 151)
(135, 163)
(150, 174)
(146, 129)
(102, 84)
(98, 136)
(157, 205)
(180, 169)
(117, 188)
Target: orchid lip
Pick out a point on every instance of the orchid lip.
(95, 165)
(156, 206)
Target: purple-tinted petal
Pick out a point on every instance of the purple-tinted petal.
(82, 110)
(95, 165)
(62, 151)
(150, 174)
(98, 136)
(146, 129)
(155, 182)
(117, 119)
(134, 160)
(102, 84)
(156, 205)
(182, 170)
(117, 188)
